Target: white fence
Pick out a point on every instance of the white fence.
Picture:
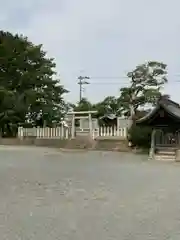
(110, 132)
(65, 133)
(58, 132)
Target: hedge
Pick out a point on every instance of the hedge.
(140, 136)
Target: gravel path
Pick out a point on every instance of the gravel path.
(50, 195)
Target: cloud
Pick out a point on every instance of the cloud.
(102, 38)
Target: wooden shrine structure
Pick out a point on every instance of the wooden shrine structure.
(165, 122)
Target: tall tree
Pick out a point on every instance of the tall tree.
(146, 82)
(29, 89)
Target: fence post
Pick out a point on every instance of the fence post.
(62, 132)
(111, 131)
(20, 132)
(55, 132)
(97, 132)
(125, 132)
(93, 134)
(73, 127)
(90, 124)
(66, 133)
(117, 131)
(34, 132)
(104, 131)
(38, 132)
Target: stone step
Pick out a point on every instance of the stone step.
(166, 148)
(161, 157)
(166, 153)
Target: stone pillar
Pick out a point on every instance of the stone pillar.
(118, 123)
(90, 124)
(73, 127)
(152, 148)
(20, 133)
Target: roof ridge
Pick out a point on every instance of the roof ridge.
(168, 105)
(166, 100)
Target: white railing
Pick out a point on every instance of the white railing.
(110, 132)
(57, 132)
(65, 133)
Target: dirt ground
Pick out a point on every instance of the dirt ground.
(52, 195)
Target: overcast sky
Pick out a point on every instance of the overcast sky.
(100, 38)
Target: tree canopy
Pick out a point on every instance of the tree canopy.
(29, 89)
(108, 106)
(146, 82)
(83, 105)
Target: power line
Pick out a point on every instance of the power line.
(123, 83)
(125, 80)
(82, 81)
(126, 77)
(122, 77)
(108, 83)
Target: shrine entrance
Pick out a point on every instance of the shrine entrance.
(81, 115)
(165, 138)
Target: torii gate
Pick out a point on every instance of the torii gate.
(73, 114)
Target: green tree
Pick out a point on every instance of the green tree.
(83, 105)
(146, 82)
(29, 89)
(110, 105)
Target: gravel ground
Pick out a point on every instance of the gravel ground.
(50, 195)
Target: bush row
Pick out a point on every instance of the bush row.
(140, 136)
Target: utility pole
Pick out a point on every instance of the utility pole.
(82, 81)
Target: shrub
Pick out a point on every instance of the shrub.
(140, 136)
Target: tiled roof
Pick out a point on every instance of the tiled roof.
(168, 105)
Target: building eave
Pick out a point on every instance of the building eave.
(168, 105)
